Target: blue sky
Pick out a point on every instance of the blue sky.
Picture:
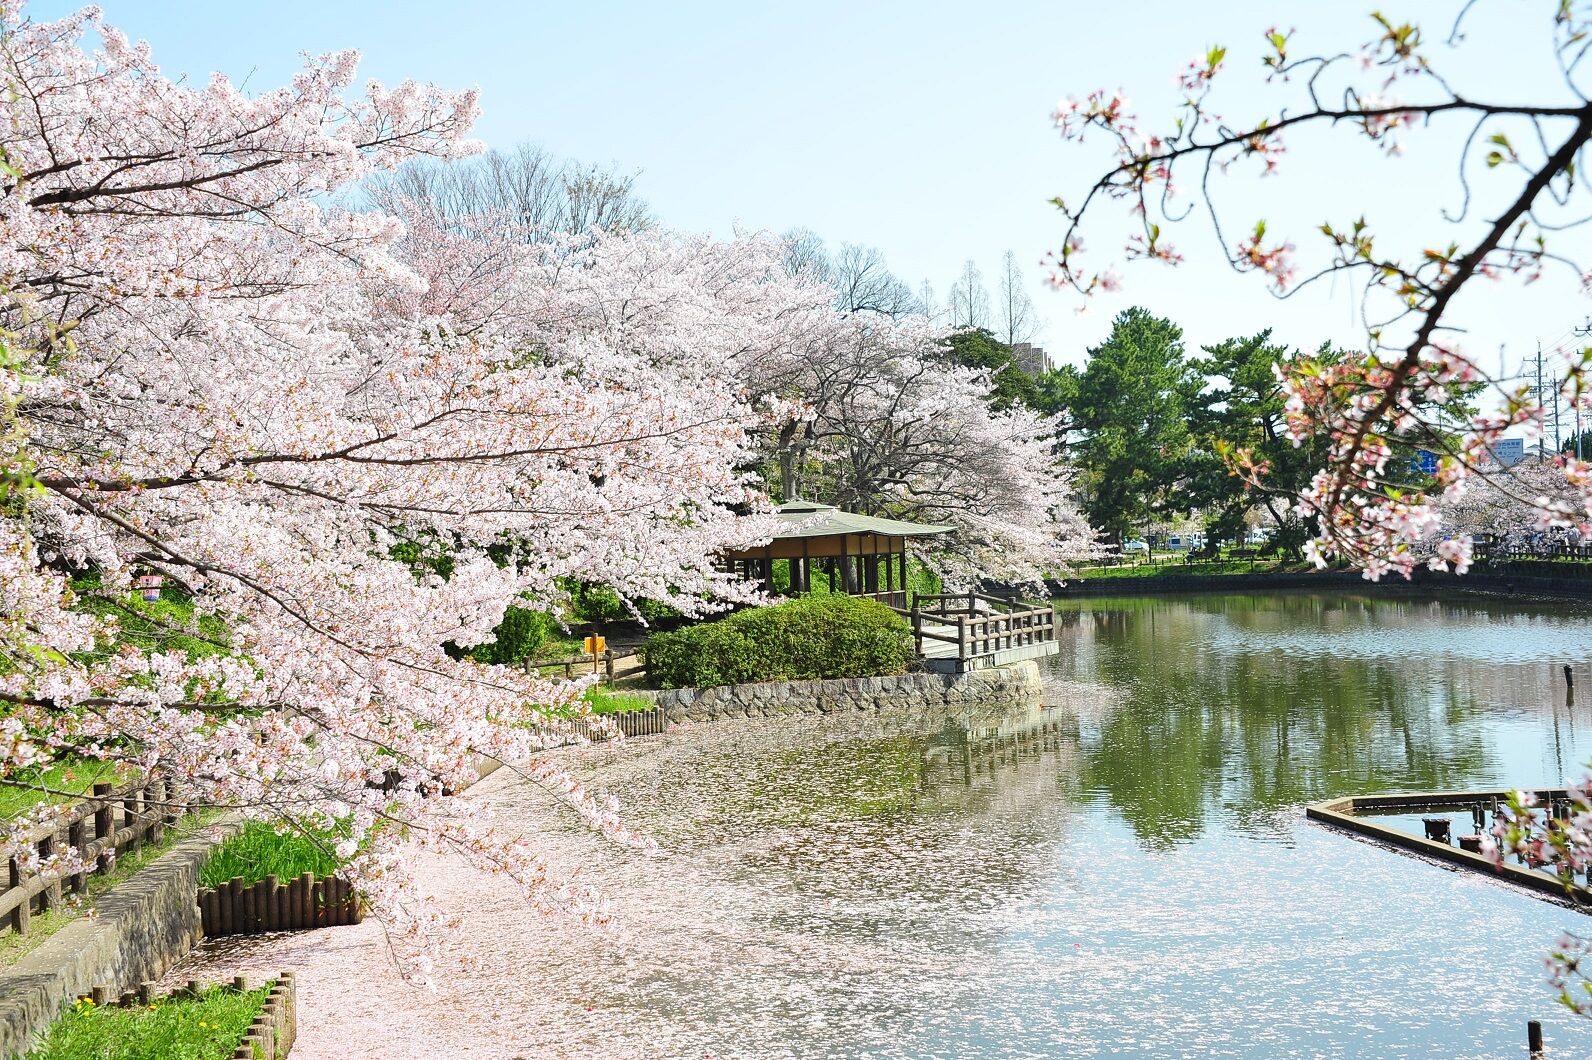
(921, 128)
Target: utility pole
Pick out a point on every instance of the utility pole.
(1542, 440)
(1581, 332)
(1558, 442)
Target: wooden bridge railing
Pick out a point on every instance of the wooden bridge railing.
(979, 624)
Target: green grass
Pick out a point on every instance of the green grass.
(61, 782)
(14, 947)
(1178, 568)
(559, 645)
(606, 701)
(207, 1027)
(167, 624)
(258, 852)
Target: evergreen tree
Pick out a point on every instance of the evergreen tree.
(1132, 409)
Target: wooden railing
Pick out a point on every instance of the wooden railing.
(92, 827)
(979, 624)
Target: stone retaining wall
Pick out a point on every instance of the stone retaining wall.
(1016, 685)
(142, 927)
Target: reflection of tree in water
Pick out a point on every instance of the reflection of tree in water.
(808, 809)
(1213, 719)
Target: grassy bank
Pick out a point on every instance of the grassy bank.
(1179, 567)
(207, 1027)
(607, 701)
(63, 782)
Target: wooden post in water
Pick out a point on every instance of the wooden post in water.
(1534, 1038)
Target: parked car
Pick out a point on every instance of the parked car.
(1134, 546)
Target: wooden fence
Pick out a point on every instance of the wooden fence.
(580, 665)
(102, 828)
(978, 624)
(653, 722)
(298, 905)
(269, 1037)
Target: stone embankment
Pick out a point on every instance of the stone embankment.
(1477, 582)
(140, 928)
(1015, 685)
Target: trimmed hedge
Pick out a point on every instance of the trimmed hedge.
(802, 639)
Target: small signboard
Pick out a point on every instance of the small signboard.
(596, 645)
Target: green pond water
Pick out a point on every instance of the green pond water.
(1135, 877)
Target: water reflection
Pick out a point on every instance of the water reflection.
(1240, 708)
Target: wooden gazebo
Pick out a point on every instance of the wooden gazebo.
(861, 555)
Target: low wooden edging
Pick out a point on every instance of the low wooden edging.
(269, 1037)
(298, 905)
(1345, 813)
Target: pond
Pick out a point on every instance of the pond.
(1134, 877)
(1144, 883)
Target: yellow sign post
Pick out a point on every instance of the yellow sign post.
(595, 646)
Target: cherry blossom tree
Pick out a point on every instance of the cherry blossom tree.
(881, 421)
(273, 406)
(1520, 196)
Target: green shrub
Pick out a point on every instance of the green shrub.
(515, 639)
(811, 637)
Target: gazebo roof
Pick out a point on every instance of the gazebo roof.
(809, 519)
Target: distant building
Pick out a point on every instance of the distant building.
(1030, 358)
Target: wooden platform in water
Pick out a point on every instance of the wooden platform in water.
(1358, 814)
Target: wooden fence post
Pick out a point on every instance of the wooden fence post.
(74, 839)
(132, 817)
(157, 811)
(273, 902)
(50, 897)
(24, 910)
(608, 663)
(104, 825)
